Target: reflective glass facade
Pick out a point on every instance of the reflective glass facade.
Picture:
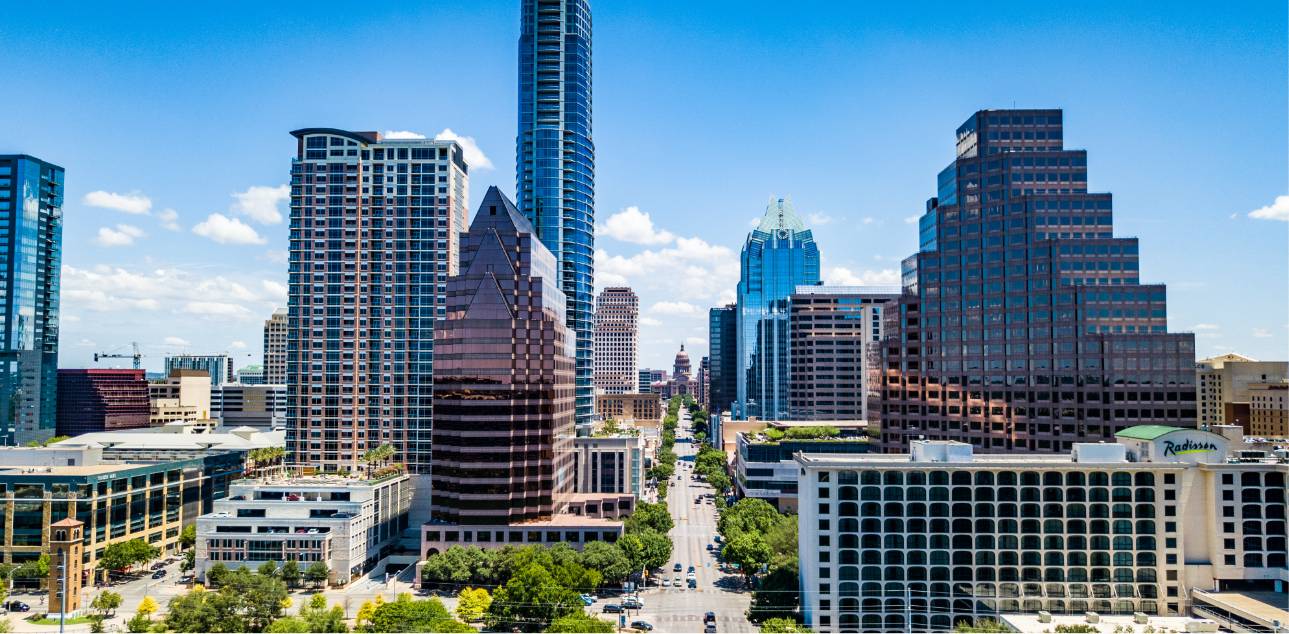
(31, 235)
(779, 255)
(555, 166)
(723, 346)
(1024, 325)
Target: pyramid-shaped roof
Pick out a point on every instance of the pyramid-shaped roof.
(496, 211)
(488, 302)
(491, 256)
(780, 214)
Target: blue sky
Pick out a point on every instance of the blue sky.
(702, 112)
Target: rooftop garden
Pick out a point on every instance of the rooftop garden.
(771, 434)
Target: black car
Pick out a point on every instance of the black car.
(612, 608)
(643, 626)
(710, 617)
(160, 574)
(710, 628)
(17, 606)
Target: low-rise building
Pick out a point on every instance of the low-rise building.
(764, 465)
(98, 399)
(1222, 387)
(348, 523)
(629, 407)
(610, 464)
(260, 406)
(1269, 410)
(175, 441)
(115, 500)
(184, 395)
(922, 540)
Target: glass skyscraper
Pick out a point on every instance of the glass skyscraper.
(779, 255)
(555, 161)
(723, 349)
(31, 238)
(1023, 324)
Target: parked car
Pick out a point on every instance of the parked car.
(643, 626)
(678, 567)
(16, 606)
(691, 570)
(666, 583)
(693, 583)
(633, 603)
(710, 547)
(675, 580)
(587, 599)
(159, 574)
(612, 608)
(157, 566)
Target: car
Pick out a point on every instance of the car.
(612, 608)
(710, 617)
(675, 580)
(587, 599)
(159, 574)
(691, 570)
(643, 626)
(158, 566)
(16, 606)
(678, 567)
(711, 547)
(666, 583)
(633, 603)
(710, 628)
(693, 583)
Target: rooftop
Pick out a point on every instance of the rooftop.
(1146, 432)
(1107, 623)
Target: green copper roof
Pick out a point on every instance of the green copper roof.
(1147, 432)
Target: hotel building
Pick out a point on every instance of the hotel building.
(617, 313)
(922, 540)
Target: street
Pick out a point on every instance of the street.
(681, 610)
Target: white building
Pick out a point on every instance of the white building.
(348, 523)
(275, 347)
(923, 540)
(174, 441)
(617, 313)
(260, 406)
(610, 464)
(1222, 386)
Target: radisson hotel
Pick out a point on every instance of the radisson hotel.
(1162, 521)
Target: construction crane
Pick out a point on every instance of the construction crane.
(136, 356)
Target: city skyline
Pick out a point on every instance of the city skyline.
(127, 276)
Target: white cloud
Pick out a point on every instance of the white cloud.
(277, 256)
(912, 220)
(169, 219)
(690, 270)
(634, 226)
(215, 310)
(237, 345)
(133, 203)
(225, 230)
(727, 296)
(86, 343)
(1199, 327)
(649, 321)
(121, 236)
(842, 276)
(176, 341)
(869, 220)
(673, 308)
(114, 289)
(260, 203)
(474, 156)
(1278, 210)
(1261, 333)
(754, 222)
(817, 218)
(274, 289)
(402, 135)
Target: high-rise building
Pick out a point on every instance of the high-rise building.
(834, 363)
(219, 367)
(703, 379)
(31, 224)
(722, 338)
(617, 313)
(1223, 387)
(1268, 410)
(101, 399)
(779, 255)
(259, 406)
(503, 379)
(275, 331)
(648, 378)
(251, 375)
(555, 161)
(1024, 325)
(374, 231)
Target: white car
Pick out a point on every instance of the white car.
(666, 583)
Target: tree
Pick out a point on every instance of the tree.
(188, 537)
(613, 564)
(290, 573)
(317, 573)
(580, 622)
(106, 602)
(246, 602)
(749, 550)
(147, 607)
(189, 562)
(217, 574)
(365, 612)
(719, 481)
(782, 626)
(139, 623)
(472, 604)
(530, 600)
(407, 615)
(649, 515)
(778, 594)
(747, 515)
(981, 625)
(122, 555)
(318, 617)
(646, 549)
(267, 569)
(289, 624)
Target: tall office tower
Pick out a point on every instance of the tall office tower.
(1224, 384)
(834, 362)
(617, 313)
(722, 344)
(704, 379)
(555, 161)
(374, 231)
(275, 330)
(1023, 325)
(218, 366)
(31, 225)
(503, 379)
(101, 399)
(780, 254)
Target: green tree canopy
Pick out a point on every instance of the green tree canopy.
(530, 600)
(246, 602)
(782, 626)
(609, 560)
(580, 622)
(650, 515)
